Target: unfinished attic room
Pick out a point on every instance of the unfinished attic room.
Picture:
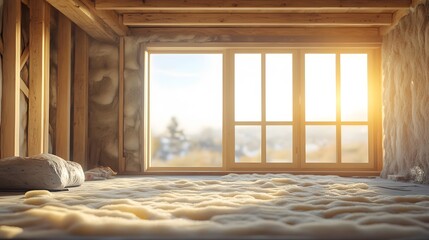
(214, 119)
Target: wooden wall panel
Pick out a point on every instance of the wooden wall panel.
(11, 78)
(62, 138)
(80, 89)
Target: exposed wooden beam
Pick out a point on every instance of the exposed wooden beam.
(247, 5)
(24, 57)
(62, 133)
(84, 15)
(38, 116)
(80, 107)
(257, 20)
(282, 35)
(11, 78)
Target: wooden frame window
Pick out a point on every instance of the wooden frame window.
(288, 109)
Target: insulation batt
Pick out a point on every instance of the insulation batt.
(103, 104)
(247, 206)
(405, 55)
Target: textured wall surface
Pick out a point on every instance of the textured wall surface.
(406, 97)
(103, 105)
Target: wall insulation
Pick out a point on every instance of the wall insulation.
(405, 55)
(103, 105)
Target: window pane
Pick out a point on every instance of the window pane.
(186, 110)
(247, 87)
(278, 87)
(279, 144)
(320, 87)
(247, 144)
(354, 144)
(320, 146)
(354, 87)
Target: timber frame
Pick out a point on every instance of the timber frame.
(303, 23)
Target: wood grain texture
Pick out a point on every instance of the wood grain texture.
(80, 107)
(38, 113)
(257, 20)
(83, 14)
(62, 138)
(238, 5)
(11, 78)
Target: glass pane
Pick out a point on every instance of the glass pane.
(320, 87)
(354, 144)
(279, 144)
(247, 87)
(247, 144)
(320, 146)
(354, 87)
(278, 84)
(186, 110)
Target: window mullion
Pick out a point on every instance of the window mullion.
(263, 111)
(338, 117)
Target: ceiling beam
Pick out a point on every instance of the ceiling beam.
(257, 20)
(101, 25)
(248, 5)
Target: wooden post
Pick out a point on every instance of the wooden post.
(38, 118)
(80, 111)
(11, 78)
(121, 159)
(62, 138)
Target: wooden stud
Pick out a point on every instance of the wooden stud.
(121, 159)
(62, 137)
(83, 14)
(246, 5)
(11, 78)
(80, 107)
(38, 114)
(257, 19)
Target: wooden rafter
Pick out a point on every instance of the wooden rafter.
(257, 19)
(247, 5)
(101, 25)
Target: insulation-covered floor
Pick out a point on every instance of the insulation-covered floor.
(233, 206)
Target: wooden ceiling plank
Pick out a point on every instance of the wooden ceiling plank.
(239, 5)
(243, 20)
(84, 16)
